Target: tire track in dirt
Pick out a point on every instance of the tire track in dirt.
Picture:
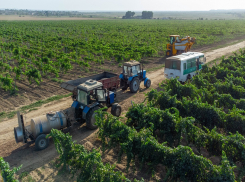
(17, 154)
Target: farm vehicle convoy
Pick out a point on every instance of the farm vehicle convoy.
(89, 94)
(97, 91)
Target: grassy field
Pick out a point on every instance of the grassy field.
(33, 49)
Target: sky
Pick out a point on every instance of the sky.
(123, 5)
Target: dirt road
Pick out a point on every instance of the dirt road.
(17, 154)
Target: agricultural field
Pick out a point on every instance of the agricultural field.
(169, 132)
(181, 132)
(36, 56)
(190, 132)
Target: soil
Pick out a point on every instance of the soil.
(38, 163)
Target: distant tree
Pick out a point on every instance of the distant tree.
(129, 15)
(147, 15)
(46, 13)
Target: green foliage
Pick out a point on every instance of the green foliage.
(6, 82)
(141, 116)
(173, 128)
(147, 14)
(129, 14)
(34, 49)
(215, 98)
(181, 162)
(88, 165)
(6, 172)
(33, 74)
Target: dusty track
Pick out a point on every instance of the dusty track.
(17, 154)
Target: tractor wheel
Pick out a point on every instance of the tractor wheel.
(90, 120)
(168, 53)
(41, 142)
(116, 110)
(78, 116)
(135, 85)
(148, 83)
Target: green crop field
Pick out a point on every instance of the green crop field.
(194, 131)
(185, 126)
(33, 49)
(181, 132)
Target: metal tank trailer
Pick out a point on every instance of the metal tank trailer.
(39, 128)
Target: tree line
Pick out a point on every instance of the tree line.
(145, 15)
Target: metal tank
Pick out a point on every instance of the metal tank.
(44, 124)
(39, 127)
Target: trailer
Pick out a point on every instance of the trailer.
(40, 126)
(110, 82)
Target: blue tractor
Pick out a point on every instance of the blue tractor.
(132, 75)
(92, 93)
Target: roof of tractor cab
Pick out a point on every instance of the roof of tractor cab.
(186, 56)
(90, 85)
(131, 63)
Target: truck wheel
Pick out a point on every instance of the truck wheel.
(148, 83)
(188, 77)
(135, 85)
(41, 142)
(116, 110)
(90, 120)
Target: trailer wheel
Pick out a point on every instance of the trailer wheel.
(135, 85)
(41, 142)
(90, 120)
(116, 110)
(148, 83)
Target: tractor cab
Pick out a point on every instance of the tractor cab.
(90, 91)
(131, 76)
(179, 45)
(174, 38)
(131, 68)
(90, 97)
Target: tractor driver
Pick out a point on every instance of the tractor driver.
(91, 97)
